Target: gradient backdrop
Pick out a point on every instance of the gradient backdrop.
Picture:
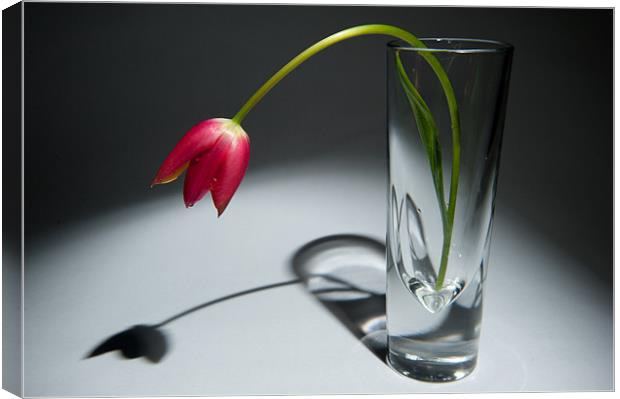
(110, 89)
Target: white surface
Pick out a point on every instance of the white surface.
(547, 324)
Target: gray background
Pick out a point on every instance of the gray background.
(110, 88)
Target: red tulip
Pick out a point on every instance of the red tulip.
(215, 153)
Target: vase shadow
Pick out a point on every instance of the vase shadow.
(346, 274)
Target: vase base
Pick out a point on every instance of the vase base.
(431, 370)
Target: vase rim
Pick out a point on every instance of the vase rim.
(470, 45)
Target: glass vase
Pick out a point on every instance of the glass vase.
(437, 263)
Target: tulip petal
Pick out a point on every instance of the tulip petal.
(231, 173)
(202, 171)
(173, 176)
(197, 140)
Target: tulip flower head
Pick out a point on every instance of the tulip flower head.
(215, 153)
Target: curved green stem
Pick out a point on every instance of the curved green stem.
(386, 30)
(427, 129)
(454, 186)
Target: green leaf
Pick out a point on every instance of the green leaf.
(427, 129)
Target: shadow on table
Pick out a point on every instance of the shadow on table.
(150, 341)
(345, 273)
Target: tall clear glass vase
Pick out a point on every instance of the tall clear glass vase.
(436, 268)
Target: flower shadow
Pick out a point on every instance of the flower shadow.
(346, 274)
(150, 341)
(136, 342)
